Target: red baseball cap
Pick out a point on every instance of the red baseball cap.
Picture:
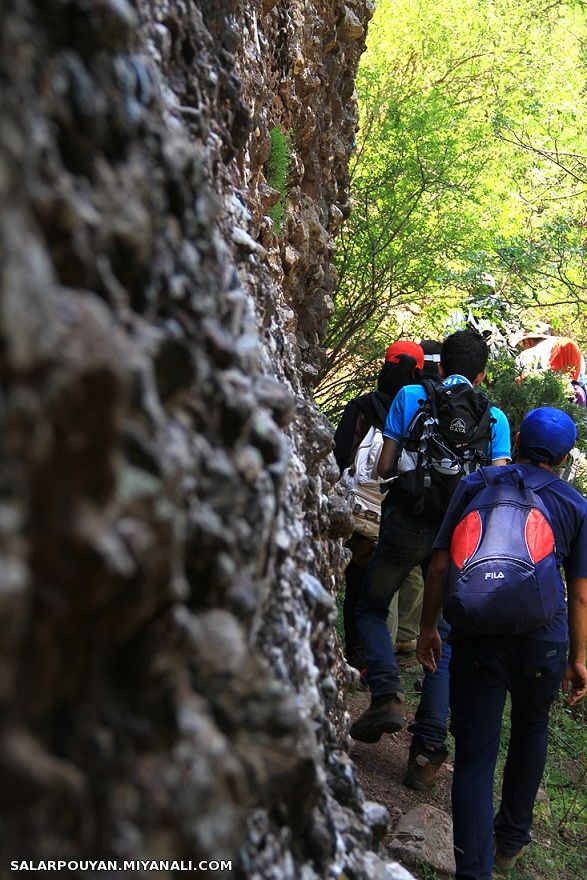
(404, 346)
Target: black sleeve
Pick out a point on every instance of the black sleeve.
(344, 435)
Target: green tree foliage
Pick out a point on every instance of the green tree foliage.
(471, 157)
(516, 399)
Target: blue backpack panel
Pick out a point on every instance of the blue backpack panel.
(503, 576)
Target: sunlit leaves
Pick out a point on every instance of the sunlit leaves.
(470, 158)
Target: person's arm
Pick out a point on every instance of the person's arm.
(429, 646)
(387, 457)
(392, 433)
(575, 678)
(500, 442)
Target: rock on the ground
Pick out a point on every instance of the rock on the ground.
(424, 837)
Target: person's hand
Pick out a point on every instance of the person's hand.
(429, 649)
(575, 682)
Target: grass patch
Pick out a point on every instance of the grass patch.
(427, 873)
(276, 173)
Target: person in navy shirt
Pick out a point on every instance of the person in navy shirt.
(405, 541)
(530, 665)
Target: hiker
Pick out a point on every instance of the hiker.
(403, 620)
(475, 433)
(428, 749)
(402, 361)
(520, 518)
(557, 353)
(431, 349)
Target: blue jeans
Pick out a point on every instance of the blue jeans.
(431, 720)
(482, 671)
(403, 543)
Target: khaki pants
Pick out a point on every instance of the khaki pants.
(403, 620)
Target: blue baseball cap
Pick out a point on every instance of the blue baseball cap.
(547, 434)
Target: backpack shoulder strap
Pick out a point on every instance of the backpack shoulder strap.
(536, 480)
(493, 475)
(539, 478)
(430, 388)
(362, 427)
(486, 419)
(489, 474)
(423, 406)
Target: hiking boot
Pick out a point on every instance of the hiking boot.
(384, 715)
(405, 647)
(423, 765)
(506, 863)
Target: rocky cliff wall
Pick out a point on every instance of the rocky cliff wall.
(170, 683)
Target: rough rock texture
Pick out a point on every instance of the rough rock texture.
(423, 837)
(170, 684)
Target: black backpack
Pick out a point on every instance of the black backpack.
(448, 437)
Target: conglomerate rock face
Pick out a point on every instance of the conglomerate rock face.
(170, 682)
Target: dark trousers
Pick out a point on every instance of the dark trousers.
(431, 719)
(362, 550)
(353, 578)
(403, 543)
(482, 671)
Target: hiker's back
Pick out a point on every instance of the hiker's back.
(448, 436)
(503, 576)
(534, 532)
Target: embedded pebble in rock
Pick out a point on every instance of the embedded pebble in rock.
(171, 683)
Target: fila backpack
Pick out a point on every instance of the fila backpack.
(448, 437)
(503, 576)
(361, 485)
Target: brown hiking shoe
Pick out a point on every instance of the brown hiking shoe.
(384, 715)
(507, 863)
(423, 765)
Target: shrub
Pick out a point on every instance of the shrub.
(540, 389)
